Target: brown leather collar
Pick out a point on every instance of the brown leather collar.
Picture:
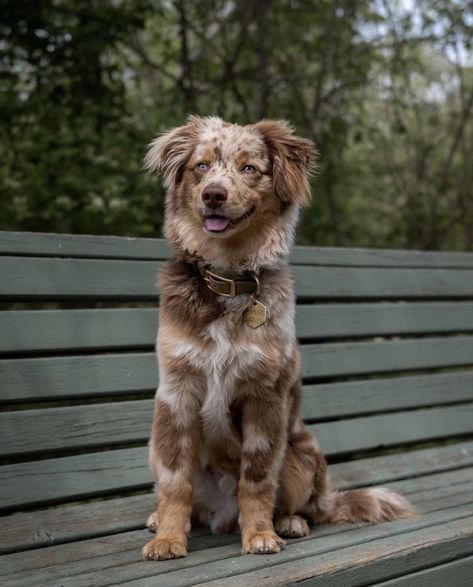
(229, 288)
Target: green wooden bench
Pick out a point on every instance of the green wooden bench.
(387, 347)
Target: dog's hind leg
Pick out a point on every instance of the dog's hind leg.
(291, 526)
(305, 490)
(303, 478)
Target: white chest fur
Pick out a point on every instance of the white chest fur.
(232, 358)
(226, 354)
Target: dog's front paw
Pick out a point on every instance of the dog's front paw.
(263, 542)
(164, 549)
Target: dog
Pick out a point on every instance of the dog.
(228, 447)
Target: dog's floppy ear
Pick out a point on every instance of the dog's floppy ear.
(292, 159)
(169, 152)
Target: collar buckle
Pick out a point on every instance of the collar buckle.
(212, 280)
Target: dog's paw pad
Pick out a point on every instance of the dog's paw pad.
(164, 549)
(266, 542)
(152, 522)
(292, 527)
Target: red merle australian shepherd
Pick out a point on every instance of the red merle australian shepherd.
(228, 447)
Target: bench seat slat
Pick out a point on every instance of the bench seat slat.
(83, 558)
(55, 278)
(332, 553)
(74, 330)
(112, 247)
(90, 474)
(461, 571)
(78, 522)
(22, 379)
(351, 558)
(94, 425)
(70, 523)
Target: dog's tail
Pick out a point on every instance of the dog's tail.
(373, 505)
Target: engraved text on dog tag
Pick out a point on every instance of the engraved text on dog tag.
(255, 314)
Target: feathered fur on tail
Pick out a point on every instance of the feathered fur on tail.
(377, 504)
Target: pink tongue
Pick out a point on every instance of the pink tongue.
(216, 223)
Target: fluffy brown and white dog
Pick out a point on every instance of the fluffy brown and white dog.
(228, 447)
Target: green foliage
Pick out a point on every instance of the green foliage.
(70, 150)
(386, 92)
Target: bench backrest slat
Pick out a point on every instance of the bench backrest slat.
(386, 343)
(85, 475)
(118, 423)
(80, 330)
(33, 244)
(73, 477)
(112, 247)
(342, 257)
(59, 279)
(74, 376)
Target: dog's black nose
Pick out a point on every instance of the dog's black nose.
(214, 196)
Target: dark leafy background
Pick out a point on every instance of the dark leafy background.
(385, 89)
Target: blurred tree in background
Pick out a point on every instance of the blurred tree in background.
(384, 88)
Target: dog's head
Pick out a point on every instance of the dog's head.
(229, 186)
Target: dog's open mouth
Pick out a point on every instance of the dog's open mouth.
(220, 223)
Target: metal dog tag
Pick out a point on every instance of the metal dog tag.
(255, 314)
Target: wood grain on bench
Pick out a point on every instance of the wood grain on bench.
(387, 363)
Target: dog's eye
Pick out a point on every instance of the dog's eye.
(203, 166)
(249, 169)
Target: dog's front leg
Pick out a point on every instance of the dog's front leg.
(174, 446)
(264, 441)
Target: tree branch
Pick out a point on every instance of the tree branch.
(186, 80)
